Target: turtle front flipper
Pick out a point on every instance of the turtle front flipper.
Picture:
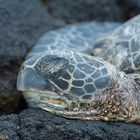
(76, 85)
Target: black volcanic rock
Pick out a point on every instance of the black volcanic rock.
(85, 9)
(21, 24)
(39, 124)
(9, 126)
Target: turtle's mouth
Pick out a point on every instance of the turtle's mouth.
(45, 99)
(52, 102)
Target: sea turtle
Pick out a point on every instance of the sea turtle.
(74, 84)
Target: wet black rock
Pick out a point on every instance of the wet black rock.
(10, 99)
(85, 9)
(21, 24)
(130, 8)
(39, 124)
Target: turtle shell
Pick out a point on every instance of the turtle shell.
(76, 37)
(121, 47)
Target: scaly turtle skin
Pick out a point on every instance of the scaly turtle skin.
(77, 85)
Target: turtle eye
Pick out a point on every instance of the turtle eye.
(49, 65)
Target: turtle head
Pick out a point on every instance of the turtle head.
(65, 83)
(73, 85)
(36, 79)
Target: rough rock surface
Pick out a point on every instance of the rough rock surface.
(21, 24)
(93, 9)
(9, 126)
(85, 9)
(129, 8)
(39, 124)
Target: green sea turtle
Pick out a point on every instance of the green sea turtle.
(63, 79)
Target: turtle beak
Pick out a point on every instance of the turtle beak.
(29, 79)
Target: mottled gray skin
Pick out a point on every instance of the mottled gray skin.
(77, 85)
